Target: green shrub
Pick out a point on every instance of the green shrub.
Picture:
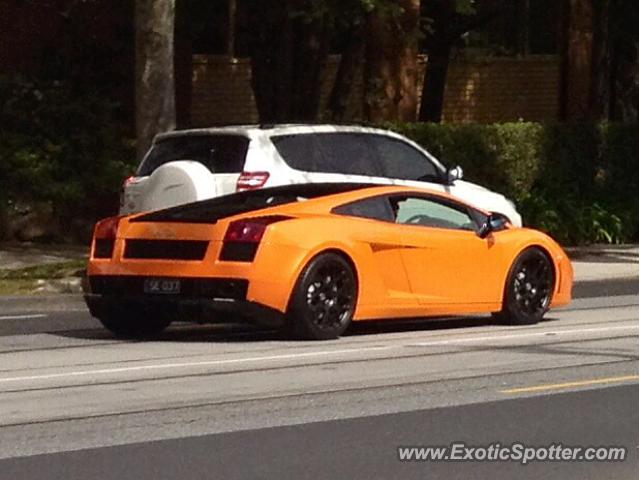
(577, 182)
(63, 147)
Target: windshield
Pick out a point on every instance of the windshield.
(218, 153)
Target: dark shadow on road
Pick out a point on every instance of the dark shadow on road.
(238, 333)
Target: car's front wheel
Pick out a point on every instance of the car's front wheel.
(132, 322)
(324, 299)
(529, 288)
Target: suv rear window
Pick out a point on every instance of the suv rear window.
(218, 153)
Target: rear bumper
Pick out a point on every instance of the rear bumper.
(200, 300)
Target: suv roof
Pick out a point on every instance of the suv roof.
(273, 130)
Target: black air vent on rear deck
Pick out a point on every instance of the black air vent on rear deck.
(165, 249)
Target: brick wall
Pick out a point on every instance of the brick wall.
(222, 92)
(483, 91)
(503, 89)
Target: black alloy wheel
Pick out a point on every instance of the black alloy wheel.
(529, 288)
(324, 299)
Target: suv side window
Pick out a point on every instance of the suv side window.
(300, 152)
(431, 212)
(349, 153)
(401, 160)
(377, 208)
(340, 152)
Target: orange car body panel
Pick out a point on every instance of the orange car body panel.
(402, 270)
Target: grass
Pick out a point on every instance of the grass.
(17, 287)
(21, 281)
(46, 271)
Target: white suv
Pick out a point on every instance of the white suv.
(190, 165)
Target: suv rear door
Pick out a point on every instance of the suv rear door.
(223, 155)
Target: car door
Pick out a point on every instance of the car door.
(445, 260)
(379, 232)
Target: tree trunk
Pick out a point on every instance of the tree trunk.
(432, 106)
(183, 66)
(349, 65)
(626, 82)
(310, 53)
(390, 73)
(577, 60)
(287, 56)
(600, 93)
(155, 85)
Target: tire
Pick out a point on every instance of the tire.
(529, 288)
(324, 299)
(134, 323)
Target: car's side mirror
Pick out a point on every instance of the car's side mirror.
(453, 174)
(493, 223)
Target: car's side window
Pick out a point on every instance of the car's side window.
(377, 208)
(300, 152)
(431, 212)
(401, 160)
(348, 153)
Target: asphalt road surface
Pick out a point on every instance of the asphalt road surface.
(229, 401)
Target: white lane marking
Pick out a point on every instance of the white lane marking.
(524, 335)
(321, 353)
(23, 317)
(232, 361)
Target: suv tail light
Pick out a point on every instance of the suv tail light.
(244, 236)
(104, 237)
(252, 180)
(127, 181)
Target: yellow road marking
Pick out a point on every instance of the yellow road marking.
(583, 383)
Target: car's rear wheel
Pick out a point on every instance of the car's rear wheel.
(529, 288)
(134, 322)
(324, 299)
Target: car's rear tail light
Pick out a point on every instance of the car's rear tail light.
(252, 180)
(244, 236)
(104, 237)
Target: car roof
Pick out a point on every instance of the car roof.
(275, 130)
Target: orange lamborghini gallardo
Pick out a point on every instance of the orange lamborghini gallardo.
(315, 257)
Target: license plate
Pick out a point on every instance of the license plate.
(160, 286)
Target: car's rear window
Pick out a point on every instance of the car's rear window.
(218, 153)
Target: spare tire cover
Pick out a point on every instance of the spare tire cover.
(177, 183)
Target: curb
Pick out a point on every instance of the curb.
(39, 303)
(610, 287)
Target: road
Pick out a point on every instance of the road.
(229, 401)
